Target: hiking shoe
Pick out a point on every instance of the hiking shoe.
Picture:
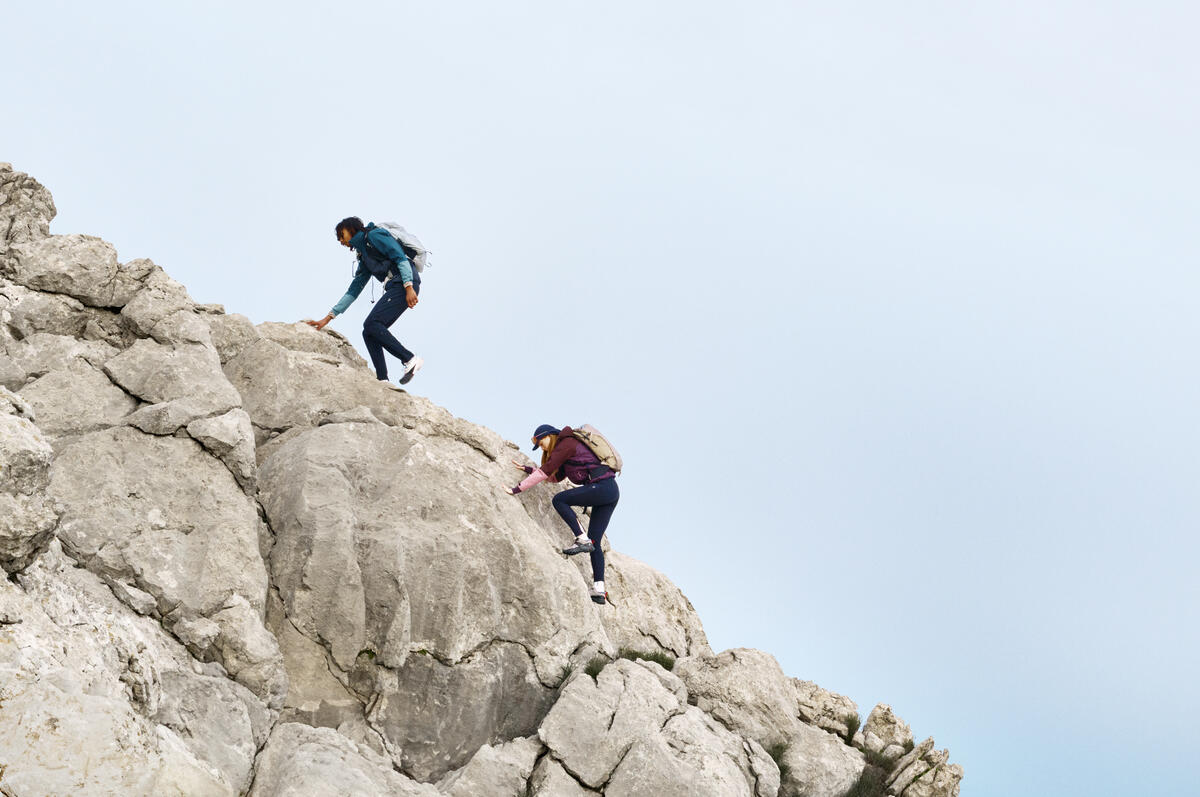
(410, 369)
(599, 597)
(583, 547)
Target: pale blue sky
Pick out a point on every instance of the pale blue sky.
(888, 306)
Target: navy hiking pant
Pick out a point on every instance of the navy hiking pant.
(602, 497)
(390, 306)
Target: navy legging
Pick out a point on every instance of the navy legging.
(602, 497)
(390, 306)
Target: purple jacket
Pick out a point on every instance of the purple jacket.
(572, 460)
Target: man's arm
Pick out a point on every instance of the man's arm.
(356, 285)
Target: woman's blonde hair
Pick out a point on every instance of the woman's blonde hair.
(546, 452)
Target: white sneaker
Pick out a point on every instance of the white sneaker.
(411, 369)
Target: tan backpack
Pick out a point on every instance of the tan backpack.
(590, 436)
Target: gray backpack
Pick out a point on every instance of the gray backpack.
(418, 255)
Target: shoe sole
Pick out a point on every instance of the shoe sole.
(408, 375)
(573, 551)
(600, 599)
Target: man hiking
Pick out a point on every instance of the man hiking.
(564, 455)
(381, 257)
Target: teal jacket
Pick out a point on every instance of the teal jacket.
(384, 251)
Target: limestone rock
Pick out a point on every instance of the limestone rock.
(249, 651)
(284, 387)
(315, 696)
(230, 334)
(827, 710)
(77, 399)
(654, 614)
(162, 514)
(80, 266)
(886, 734)
(746, 690)
(153, 310)
(502, 771)
(43, 352)
(230, 438)
(27, 516)
(25, 312)
(157, 373)
(551, 780)
(301, 337)
(168, 417)
(26, 208)
(14, 404)
(693, 755)
(924, 772)
(671, 682)
(95, 700)
(221, 722)
(627, 734)
(300, 761)
(442, 605)
(819, 764)
(624, 699)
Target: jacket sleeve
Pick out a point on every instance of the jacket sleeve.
(565, 449)
(387, 246)
(537, 477)
(356, 285)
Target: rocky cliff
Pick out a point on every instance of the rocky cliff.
(237, 564)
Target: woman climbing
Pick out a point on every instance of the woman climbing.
(566, 456)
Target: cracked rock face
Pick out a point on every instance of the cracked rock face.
(448, 610)
(627, 733)
(237, 564)
(301, 761)
(748, 692)
(27, 516)
(97, 700)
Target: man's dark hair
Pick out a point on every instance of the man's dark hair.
(352, 223)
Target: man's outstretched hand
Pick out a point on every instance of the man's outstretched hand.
(320, 324)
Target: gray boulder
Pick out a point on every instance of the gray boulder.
(654, 615)
(503, 771)
(162, 515)
(42, 352)
(158, 373)
(26, 208)
(27, 515)
(284, 388)
(925, 772)
(300, 761)
(886, 734)
(24, 313)
(551, 780)
(827, 710)
(626, 733)
(436, 601)
(96, 700)
(230, 438)
(81, 266)
(748, 692)
(77, 399)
